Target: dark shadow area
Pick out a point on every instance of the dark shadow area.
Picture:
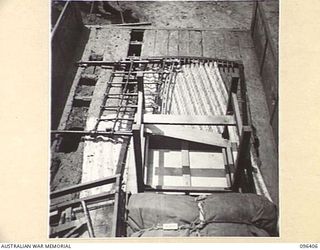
(102, 12)
(81, 103)
(95, 57)
(67, 47)
(134, 50)
(137, 35)
(70, 142)
(56, 9)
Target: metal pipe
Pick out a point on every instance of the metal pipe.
(59, 19)
(124, 133)
(160, 59)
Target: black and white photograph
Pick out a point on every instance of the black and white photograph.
(164, 119)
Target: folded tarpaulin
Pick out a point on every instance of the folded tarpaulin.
(211, 229)
(223, 214)
(250, 209)
(149, 211)
(232, 230)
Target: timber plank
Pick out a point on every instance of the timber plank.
(187, 189)
(232, 45)
(208, 46)
(236, 111)
(75, 202)
(185, 162)
(136, 129)
(194, 172)
(161, 47)
(173, 43)
(148, 45)
(226, 165)
(83, 186)
(184, 43)
(213, 44)
(189, 120)
(116, 43)
(243, 154)
(195, 43)
(56, 230)
(188, 134)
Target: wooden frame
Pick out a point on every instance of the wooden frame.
(137, 130)
(267, 45)
(186, 189)
(83, 186)
(218, 120)
(187, 134)
(164, 125)
(169, 126)
(243, 154)
(94, 198)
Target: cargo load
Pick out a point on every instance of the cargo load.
(231, 214)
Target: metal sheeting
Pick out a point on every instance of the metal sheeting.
(199, 90)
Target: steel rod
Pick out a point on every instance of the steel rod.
(123, 133)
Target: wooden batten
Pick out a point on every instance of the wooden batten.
(189, 120)
(83, 186)
(185, 163)
(188, 134)
(243, 155)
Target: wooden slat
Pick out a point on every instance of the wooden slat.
(219, 47)
(189, 120)
(173, 44)
(89, 222)
(161, 48)
(68, 214)
(183, 43)
(187, 189)
(237, 114)
(115, 215)
(72, 231)
(116, 43)
(230, 160)
(213, 44)
(188, 134)
(149, 166)
(233, 89)
(83, 186)
(83, 98)
(226, 164)
(231, 42)
(140, 94)
(148, 43)
(161, 168)
(56, 230)
(75, 202)
(137, 135)
(146, 158)
(185, 163)
(116, 26)
(133, 24)
(194, 172)
(243, 154)
(195, 43)
(136, 130)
